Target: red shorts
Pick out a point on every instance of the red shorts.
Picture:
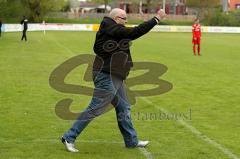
(196, 40)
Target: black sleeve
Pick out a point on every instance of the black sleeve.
(21, 22)
(121, 31)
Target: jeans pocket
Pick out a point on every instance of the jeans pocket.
(95, 74)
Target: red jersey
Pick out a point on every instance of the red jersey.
(196, 30)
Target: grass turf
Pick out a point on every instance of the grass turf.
(208, 85)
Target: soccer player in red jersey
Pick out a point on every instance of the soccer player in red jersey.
(196, 32)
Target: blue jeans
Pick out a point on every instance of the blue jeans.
(108, 89)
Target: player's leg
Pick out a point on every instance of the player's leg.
(25, 35)
(122, 108)
(194, 49)
(199, 49)
(22, 35)
(199, 46)
(194, 46)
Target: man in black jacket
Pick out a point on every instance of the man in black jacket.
(111, 67)
(24, 22)
(0, 28)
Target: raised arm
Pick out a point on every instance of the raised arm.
(119, 30)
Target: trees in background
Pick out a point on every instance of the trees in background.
(209, 11)
(39, 8)
(213, 13)
(105, 2)
(205, 8)
(34, 9)
(11, 8)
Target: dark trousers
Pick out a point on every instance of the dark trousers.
(0, 32)
(24, 35)
(107, 90)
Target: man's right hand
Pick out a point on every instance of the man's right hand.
(161, 14)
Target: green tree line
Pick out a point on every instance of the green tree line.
(35, 10)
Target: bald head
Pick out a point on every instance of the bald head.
(118, 15)
(117, 12)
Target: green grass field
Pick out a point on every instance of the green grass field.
(208, 85)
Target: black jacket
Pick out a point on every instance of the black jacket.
(24, 22)
(112, 46)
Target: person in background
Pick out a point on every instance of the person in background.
(24, 22)
(196, 36)
(0, 27)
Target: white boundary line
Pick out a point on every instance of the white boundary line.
(200, 135)
(146, 153)
(91, 27)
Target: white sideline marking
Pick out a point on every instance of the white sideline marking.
(146, 153)
(198, 133)
(61, 45)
